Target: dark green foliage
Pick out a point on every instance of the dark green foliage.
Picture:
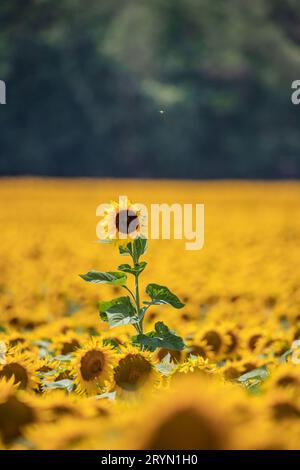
(87, 81)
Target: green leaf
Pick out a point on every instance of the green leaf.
(42, 343)
(126, 250)
(121, 312)
(96, 277)
(64, 384)
(106, 305)
(162, 295)
(111, 342)
(135, 248)
(260, 372)
(108, 395)
(161, 337)
(50, 373)
(137, 269)
(166, 367)
(64, 358)
(254, 388)
(284, 357)
(140, 246)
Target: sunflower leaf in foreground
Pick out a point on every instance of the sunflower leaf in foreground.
(96, 277)
(163, 295)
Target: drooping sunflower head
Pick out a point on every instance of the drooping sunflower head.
(122, 222)
(93, 367)
(135, 370)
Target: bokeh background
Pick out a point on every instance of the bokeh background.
(160, 88)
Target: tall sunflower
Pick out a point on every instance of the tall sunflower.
(122, 222)
(93, 366)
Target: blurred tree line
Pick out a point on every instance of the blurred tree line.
(158, 88)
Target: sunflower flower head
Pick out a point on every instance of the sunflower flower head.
(16, 405)
(93, 367)
(135, 371)
(21, 367)
(122, 222)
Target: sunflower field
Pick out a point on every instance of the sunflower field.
(68, 381)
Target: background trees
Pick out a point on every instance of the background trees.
(87, 81)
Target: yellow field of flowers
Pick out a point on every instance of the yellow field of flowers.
(67, 381)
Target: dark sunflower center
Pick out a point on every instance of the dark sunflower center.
(253, 341)
(70, 347)
(127, 222)
(285, 410)
(214, 340)
(233, 342)
(92, 365)
(186, 429)
(132, 372)
(286, 380)
(19, 372)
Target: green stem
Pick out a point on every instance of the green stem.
(137, 298)
(130, 292)
(138, 328)
(135, 259)
(137, 325)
